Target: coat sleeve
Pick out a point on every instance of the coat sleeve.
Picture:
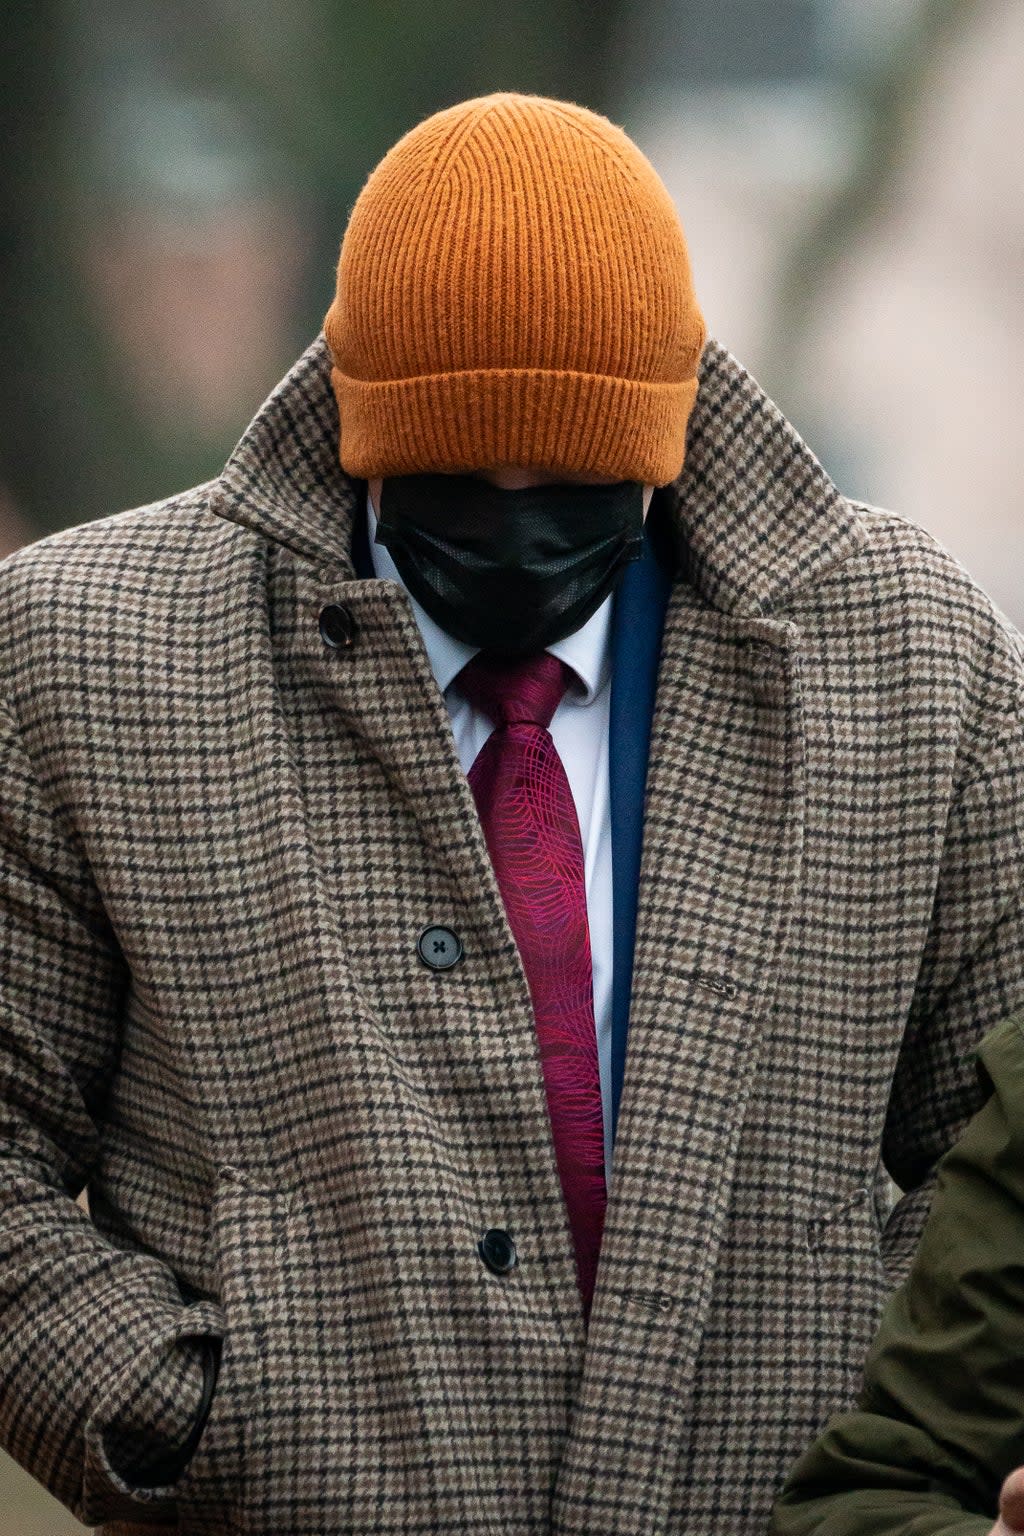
(93, 1358)
(972, 968)
(940, 1421)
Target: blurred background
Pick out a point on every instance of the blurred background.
(176, 182)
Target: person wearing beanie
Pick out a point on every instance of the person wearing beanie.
(494, 884)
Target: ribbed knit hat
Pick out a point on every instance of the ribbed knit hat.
(514, 287)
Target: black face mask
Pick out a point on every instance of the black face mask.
(509, 571)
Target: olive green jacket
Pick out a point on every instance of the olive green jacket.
(941, 1416)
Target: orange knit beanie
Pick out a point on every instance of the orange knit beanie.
(514, 288)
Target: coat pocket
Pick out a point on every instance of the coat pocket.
(247, 1226)
(851, 1285)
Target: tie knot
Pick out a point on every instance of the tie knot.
(513, 692)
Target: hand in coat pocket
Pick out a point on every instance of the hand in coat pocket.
(150, 1459)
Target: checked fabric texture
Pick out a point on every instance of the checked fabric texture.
(526, 808)
(220, 840)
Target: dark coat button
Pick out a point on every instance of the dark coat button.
(439, 948)
(337, 626)
(497, 1250)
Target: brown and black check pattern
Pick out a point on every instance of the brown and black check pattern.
(220, 838)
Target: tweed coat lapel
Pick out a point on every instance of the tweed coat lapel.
(283, 480)
(756, 520)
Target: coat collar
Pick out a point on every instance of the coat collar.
(756, 517)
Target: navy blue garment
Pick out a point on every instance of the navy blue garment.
(638, 621)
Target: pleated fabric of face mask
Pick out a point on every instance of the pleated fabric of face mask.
(510, 571)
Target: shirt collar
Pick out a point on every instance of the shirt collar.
(587, 650)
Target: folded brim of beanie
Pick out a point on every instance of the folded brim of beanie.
(545, 418)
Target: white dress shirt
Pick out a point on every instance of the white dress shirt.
(579, 729)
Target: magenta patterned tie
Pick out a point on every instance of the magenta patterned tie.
(529, 820)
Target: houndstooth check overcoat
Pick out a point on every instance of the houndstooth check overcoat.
(219, 840)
